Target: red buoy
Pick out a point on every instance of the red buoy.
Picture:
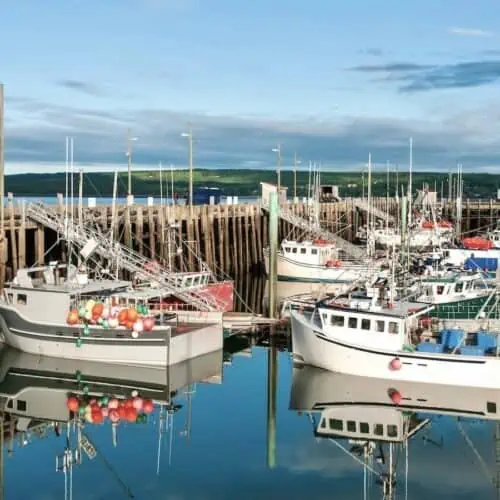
(114, 416)
(131, 414)
(395, 396)
(395, 364)
(73, 404)
(148, 406)
(97, 417)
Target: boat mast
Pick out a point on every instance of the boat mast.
(369, 214)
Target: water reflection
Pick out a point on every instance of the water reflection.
(383, 429)
(244, 423)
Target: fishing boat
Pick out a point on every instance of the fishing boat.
(455, 294)
(423, 234)
(316, 261)
(59, 310)
(370, 334)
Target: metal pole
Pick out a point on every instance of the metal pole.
(294, 176)
(273, 251)
(129, 156)
(272, 382)
(190, 140)
(278, 169)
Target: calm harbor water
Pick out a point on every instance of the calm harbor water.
(220, 445)
(243, 423)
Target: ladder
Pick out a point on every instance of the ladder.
(354, 251)
(188, 287)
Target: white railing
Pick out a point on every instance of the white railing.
(125, 258)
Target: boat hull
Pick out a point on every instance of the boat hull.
(313, 347)
(158, 348)
(290, 270)
(462, 309)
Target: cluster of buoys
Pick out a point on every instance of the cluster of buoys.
(333, 263)
(96, 410)
(96, 313)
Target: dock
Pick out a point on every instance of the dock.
(229, 238)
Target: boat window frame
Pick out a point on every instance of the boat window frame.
(378, 430)
(349, 321)
(364, 428)
(339, 424)
(337, 317)
(392, 430)
(364, 322)
(19, 299)
(391, 324)
(351, 426)
(314, 251)
(303, 251)
(378, 323)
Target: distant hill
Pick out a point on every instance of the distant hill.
(240, 182)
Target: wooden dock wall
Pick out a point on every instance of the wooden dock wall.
(230, 238)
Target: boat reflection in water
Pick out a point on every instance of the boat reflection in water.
(374, 420)
(41, 396)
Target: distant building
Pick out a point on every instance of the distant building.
(267, 189)
(329, 192)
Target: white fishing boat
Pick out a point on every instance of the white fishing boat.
(60, 311)
(373, 336)
(316, 261)
(455, 294)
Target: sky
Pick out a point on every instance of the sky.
(329, 81)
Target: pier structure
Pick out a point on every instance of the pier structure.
(229, 238)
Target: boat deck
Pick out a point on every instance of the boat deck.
(398, 309)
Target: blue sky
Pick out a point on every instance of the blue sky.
(332, 81)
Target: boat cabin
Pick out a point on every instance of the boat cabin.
(451, 287)
(47, 293)
(369, 321)
(316, 252)
(368, 423)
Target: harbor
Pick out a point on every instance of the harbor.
(239, 262)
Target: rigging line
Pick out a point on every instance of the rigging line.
(482, 463)
(122, 483)
(355, 458)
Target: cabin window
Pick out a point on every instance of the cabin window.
(393, 327)
(353, 322)
(459, 287)
(21, 405)
(294, 250)
(380, 326)
(323, 424)
(287, 249)
(338, 321)
(365, 324)
(10, 404)
(22, 299)
(314, 251)
(10, 298)
(303, 250)
(351, 426)
(440, 289)
(491, 407)
(392, 431)
(364, 428)
(336, 425)
(325, 318)
(378, 430)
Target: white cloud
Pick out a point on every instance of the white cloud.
(473, 32)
